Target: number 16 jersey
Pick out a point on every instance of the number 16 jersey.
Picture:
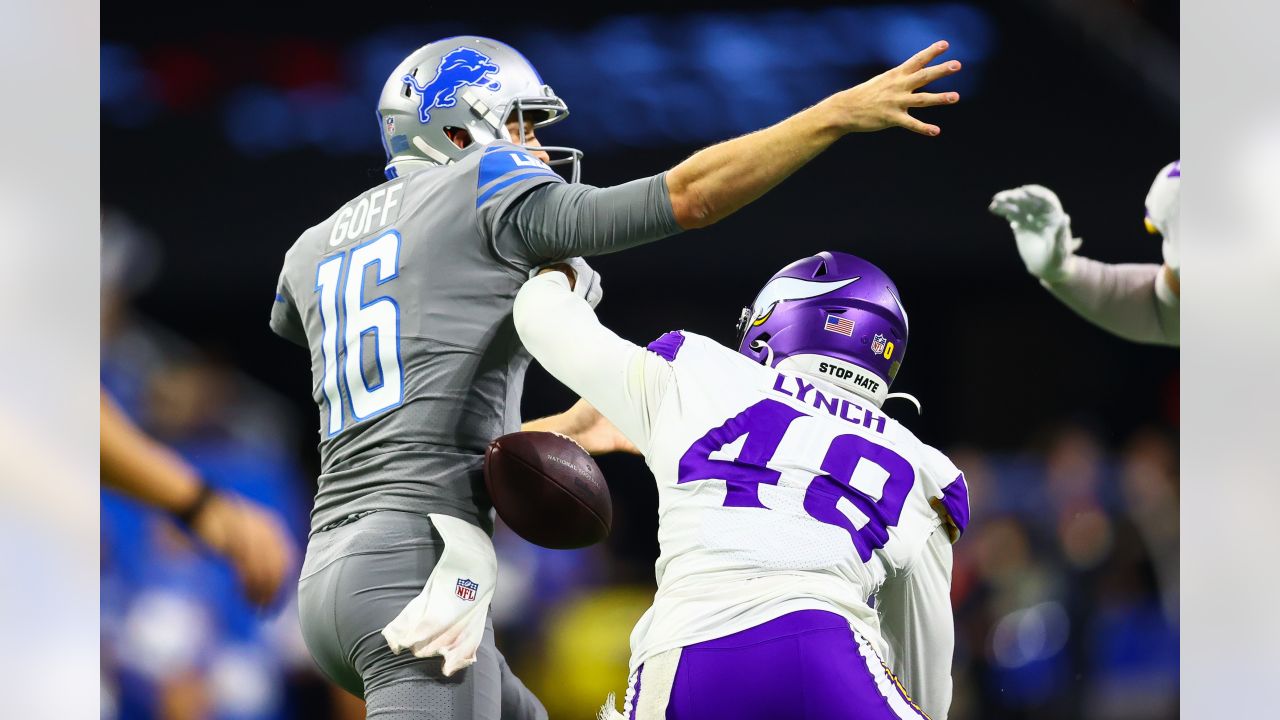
(403, 299)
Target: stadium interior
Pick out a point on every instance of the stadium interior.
(224, 138)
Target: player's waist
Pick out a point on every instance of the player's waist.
(695, 610)
(713, 591)
(401, 458)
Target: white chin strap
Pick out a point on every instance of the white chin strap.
(432, 154)
(906, 396)
(842, 374)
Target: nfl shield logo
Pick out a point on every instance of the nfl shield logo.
(467, 589)
(391, 125)
(877, 344)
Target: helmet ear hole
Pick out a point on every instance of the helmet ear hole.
(407, 90)
(456, 133)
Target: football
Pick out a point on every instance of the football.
(548, 490)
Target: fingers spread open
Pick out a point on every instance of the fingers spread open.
(924, 57)
(931, 99)
(917, 126)
(924, 76)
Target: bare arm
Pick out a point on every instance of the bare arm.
(557, 220)
(249, 536)
(141, 468)
(587, 427)
(719, 180)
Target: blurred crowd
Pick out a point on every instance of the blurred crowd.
(1065, 586)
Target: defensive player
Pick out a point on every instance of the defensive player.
(1138, 302)
(789, 503)
(403, 299)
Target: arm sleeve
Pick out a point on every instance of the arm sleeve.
(285, 320)
(558, 221)
(624, 381)
(916, 620)
(1132, 301)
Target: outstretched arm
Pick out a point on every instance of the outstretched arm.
(557, 220)
(718, 181)
(1138, 302)
(624, 381)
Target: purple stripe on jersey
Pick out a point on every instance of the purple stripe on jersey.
(955, 498)
(635, 696)
(668, 345)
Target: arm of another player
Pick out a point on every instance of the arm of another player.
(1138, 302)
(559, 220)
(587, 427)
(916, 619)
(250, 537)
(624, 381)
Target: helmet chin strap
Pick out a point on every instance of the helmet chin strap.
(905, 396)
(757, 344)
(809, 365)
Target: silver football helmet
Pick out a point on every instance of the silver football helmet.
(468, 82)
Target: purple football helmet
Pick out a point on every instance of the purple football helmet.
(832, 315)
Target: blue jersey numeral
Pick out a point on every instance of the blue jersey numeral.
(347, 320)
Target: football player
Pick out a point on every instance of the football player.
(403, 299)
(1138, 302)
(805, 534)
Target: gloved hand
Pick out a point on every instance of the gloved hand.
(1040, 227)
(585, 280)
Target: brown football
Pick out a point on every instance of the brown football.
(548, 490)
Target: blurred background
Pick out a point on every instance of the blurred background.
(224, 137)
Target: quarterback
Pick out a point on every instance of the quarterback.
(1138, 302)
(403, 298)
(805, 534)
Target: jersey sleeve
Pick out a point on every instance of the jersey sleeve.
(285, 318)
(947, 490)
(562, 221)
(505, 175)
(917, 622)
(624, 381)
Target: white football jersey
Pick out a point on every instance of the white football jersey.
(1162, 214)
(777, 492)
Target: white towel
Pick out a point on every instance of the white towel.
(448, 617)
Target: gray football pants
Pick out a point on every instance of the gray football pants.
(355, 579)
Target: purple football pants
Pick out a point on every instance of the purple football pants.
(807, 664)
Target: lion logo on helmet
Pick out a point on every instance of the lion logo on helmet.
(458, 68)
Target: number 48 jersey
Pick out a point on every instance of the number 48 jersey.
(780, 492)
(777, 491)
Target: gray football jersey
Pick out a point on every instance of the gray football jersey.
(403, 298)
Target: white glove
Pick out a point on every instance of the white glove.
(1040, 227)
(586, 283)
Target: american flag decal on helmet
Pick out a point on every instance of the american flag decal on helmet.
(466, 589)
(837, 324)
